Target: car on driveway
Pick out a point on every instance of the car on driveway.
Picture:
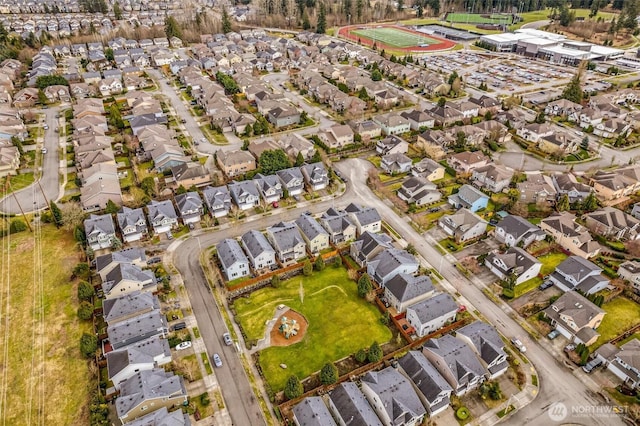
(591, 365)
(227, 339)
(553, 334)
(217, 361)
(182, 346)
(545, 285)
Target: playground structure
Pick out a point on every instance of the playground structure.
(288, 327)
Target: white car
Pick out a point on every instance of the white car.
(182, 346)
(217, 361)
(518, 344)
(44, 150)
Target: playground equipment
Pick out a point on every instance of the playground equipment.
(288, 327)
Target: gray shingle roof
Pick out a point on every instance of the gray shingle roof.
(458, 358)
(352, 406)
(138, 353)
(285, 235)
(369, 241)
(162, 417)
(310, 227)
(127, 305)
(239, 190)
(159, 210)
(230, 252)
(126, 271)
(434, 307)
(256, 243)
(149, 384)
(517, 226)
(406, 287)
(130, 217)
(287, 175)
(577, 267)
(217, 197)
(364, 215)
(312, 412)
(97, 224)
(398, 398)
(128, 255)
(188, 201)
(485, 338)
(424, 375)
(141, 325)
(386, 262)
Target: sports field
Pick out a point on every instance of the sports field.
(395, 37)
(476, 18)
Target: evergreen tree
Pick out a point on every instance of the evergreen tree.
(361, 355)
(328, 374)
(573, 91)
(117, 11)
(590, 203)
(375, 352)
(306, 25)
(172, 28)
(293, 387)
(307, 268)
(563, 203)
(57, 214)
(319, 264)
(226, 21)
(111, 208)
(85, 291)
(321, 26)
(364, 285)
(299, 160)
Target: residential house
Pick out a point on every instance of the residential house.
(147, 391)
(367, 129)
(292, 181)
(392, 123)
(162, 417)
(129, 306)
(244, 194)
(446, 115)
(612, 223)
(132, 223)
(419, 191)
(339, 226)
(337, 136)
(404, 290)
(465, 162)
(314, 234)
(488, 346)
(469, 198)
(419, 120)
(350, 407)
(612, 128)
(624, 363)
(535, 132)
(188, 175)
(630, 271)
(611, 186)
(232, 259)
(269, 186)
(467, 109)
(110, 86)
(435, 392)
(562, 108)
(190, 207)
(283, 115)
(464, 225)
(315, 175)
(396, 163)
(287, 240)
(127, 278)
(566, 183)
(570, 235)
(234, 163)
(257, 147)
(428, 169)
(100, 231)
(162, 216)
(389, 263)
(312, 411)
(537, 188)
(393, 397)
(514, 263)
(456, 362)
(96, 196)
(131, 255)
(559, 143)
(486, 104)
(392, 144)
(259, 252)
(515, 231)
(577, 273)
(141, 356)
(492, 177)
(575, 317)
(294, 144)
(368, 246)
(366, 219)
(218, 200)
(432, 314)
(137, 329)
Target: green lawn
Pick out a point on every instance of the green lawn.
(394, 37)
(621, 315)
(527, 286)
(477, 18)
(340, 323)
(67, 381)
(541, 15)
(19, 181)
(550, 261)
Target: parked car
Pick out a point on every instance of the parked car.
(275, 204)
(227, 339)
(154, 260)
(179, 326)
(217, 361)
(169, 235)
(545, 285)
(518, 344)
(591, 365)
(569, 347)
(182, 346)
(553, 334)
(44, 150)
(46, 127)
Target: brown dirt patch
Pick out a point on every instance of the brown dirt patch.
(278, 339)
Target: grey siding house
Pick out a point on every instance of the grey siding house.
(432, 314)
(287, 240)
(217, 200)
(137, 328)
(190, 207)
(488, 346)
(435, 392)
(162, 216)
(339, 226)
(233, 260)
(132, 223)
(100, 231)
(259, 251)
(312, 412)
(350, 407)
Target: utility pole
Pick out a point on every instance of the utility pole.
(43, 196)
(8, 186)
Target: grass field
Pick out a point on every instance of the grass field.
(340, 323)
(549, 263)
(622, 314)
(476, 18)
(67, 378)
(394, 37)
(541, 15)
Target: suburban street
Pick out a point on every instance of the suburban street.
(49, 180)
(557, 383)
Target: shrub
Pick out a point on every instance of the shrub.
(293, 388)
(85, 291)
(307, 268)
(319, 264)
(337, 262)
(17, 225)
(328, 374)
(85, 311)
(275, 281)
(462, 413)
(88, 345)
(375, 352)
(361, 355)
(364, 285)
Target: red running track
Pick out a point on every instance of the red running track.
(444, 44)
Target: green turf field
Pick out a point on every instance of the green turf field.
(475, 18)
(394, 37)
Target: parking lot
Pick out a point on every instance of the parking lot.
(452, 61)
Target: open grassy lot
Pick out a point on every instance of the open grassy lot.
(66, 376)
(19, 181)
(394, 37)
(549, 263)
(477, 18)
(541, 15)
(622, 314)
(340, 323)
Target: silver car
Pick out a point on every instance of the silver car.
(217, 361)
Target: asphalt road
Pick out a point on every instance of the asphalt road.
(50, 177)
